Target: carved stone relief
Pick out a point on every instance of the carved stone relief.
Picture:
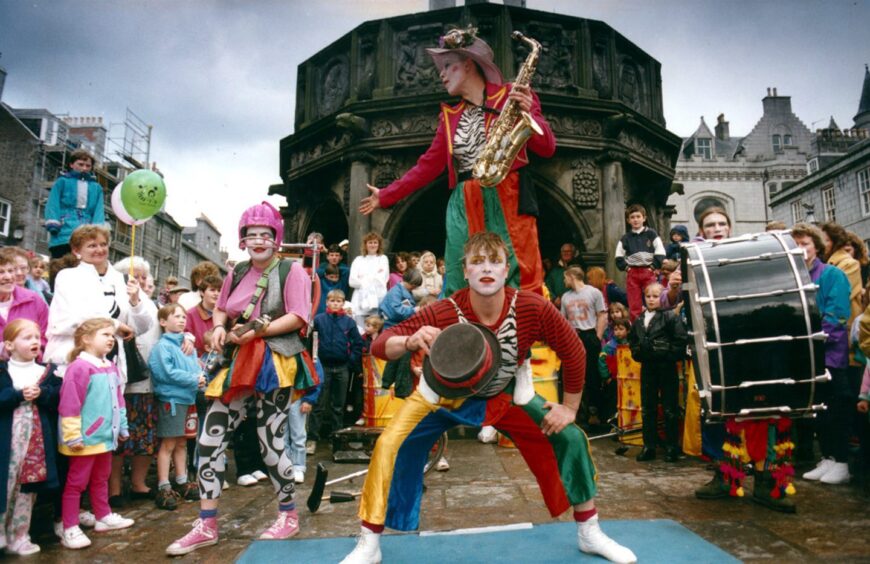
(415, 71)
(585, 183)
(345, 197)
(402, 125)
(556, 64)
(386, 171)
(334, 85)
(303, 154)
(601, 67)
(635, 143)
(633, 86)
(571, 125)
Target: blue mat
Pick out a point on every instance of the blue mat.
(652, 541)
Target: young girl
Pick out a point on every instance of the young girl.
(28, 399)
(431, 285)
(93, 417)
(657, 340)
(176, 377)
(615, 312)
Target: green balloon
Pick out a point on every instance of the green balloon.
(143, 194)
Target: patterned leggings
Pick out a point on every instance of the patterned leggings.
(219, 423)
(15, 523)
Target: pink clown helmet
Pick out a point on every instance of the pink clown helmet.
(264, 215)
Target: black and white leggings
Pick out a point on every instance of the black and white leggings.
(217, 427)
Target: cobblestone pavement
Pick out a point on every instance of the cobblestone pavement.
(490, 485)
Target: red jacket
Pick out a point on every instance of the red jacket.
(440, 152)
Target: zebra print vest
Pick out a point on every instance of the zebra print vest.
(469, 139)
(507, 338)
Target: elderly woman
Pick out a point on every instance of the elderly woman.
(467, 70)
(269, 369)
(16, 302)
(141, 412)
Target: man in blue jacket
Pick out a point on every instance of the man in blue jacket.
(75, 199)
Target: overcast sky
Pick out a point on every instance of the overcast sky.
(216, 79)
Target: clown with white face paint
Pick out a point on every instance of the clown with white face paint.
(271, 369)
(556, 449)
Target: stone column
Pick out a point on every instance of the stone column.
(613, 215)
(358, 224)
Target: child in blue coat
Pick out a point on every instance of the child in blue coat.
(75, 199)
(176, 378)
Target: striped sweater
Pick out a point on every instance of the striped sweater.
(537, 320)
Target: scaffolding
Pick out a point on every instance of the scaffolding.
(131, 140)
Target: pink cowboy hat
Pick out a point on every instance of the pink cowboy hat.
(466, 43)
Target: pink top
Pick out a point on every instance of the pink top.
(297, 293)
(198, 326)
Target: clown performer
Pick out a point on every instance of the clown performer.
(270, 368)
(466, 67)
(496, 390)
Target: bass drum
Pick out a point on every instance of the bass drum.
(758, 344)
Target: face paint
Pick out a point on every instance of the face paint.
(486, 273)
(260, 243)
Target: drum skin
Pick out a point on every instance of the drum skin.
(733, 271)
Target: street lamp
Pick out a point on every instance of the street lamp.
(765, 176)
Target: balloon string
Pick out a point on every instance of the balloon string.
(132, 247)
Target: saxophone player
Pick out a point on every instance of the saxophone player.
(467, 70)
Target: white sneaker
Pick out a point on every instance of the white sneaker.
(838, 473)
(592, 540)
(367, 551)
(820, 470)
(487, 434)
(23, 547)
(246, 480)
(87, 519)
(74, 538)
(442, 465)
(299, 476)
(259, 475)
(310, 447)
(112, 522)
(226, 485)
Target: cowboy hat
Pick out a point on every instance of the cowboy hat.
(466, 43)
(462, 361)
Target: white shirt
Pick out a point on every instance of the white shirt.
(24, 374)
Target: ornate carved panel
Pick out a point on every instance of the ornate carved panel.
(556, 65)
(314, 150)
(333, 85)
(572, 125)
(601, 67)
(386, 171)
(415, 71)
(586, 183)
(367, 67)
(345, 197)
(634, 142)
(414, 123)
(633, 85)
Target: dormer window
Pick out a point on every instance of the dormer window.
(777, 143)
(703, 148)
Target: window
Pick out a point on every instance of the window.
(786, 140)
(813, 166)
(174, 240)
(122, 232)
(864, 190)
(797, 214)
(828, 203)
(5, 216)
(159, 232)
(702, 148)
(777, 143)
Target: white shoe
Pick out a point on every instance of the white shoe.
(87, 519)
(367, 551)
(22, 547)
(246, 480)
(592, 540)
(310, 447)
(74, 538)
(838, 473)
(226, 485)
(442, 465)
(487, 434)
(299, 476)
(820, 470)
(112, 522)
(259, 475)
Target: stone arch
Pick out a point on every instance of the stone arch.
(708, 198)
(328, 219)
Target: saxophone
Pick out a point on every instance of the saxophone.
(508, 135)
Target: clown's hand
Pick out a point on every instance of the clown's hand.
(524, 389)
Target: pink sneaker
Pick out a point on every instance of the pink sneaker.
(284, 527)
(204, 533)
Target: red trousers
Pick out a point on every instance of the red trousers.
(637, 279)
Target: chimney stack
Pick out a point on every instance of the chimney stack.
(722, 130)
